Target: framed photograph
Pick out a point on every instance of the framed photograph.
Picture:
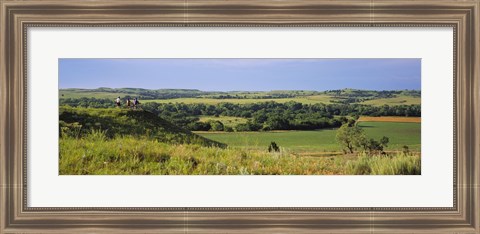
(240, 116)
(244, 116)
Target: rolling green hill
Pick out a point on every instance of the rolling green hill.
(112, 93)
(75, 122)
(190, 96)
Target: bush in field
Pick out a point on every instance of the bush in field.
(199, 126)
(374, 147)
(216, 125)
(405, 149)
(273, 147)
(248, 126)
(242, 127)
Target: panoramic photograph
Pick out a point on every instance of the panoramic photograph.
(230, 116)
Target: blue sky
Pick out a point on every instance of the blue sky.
(242, 74)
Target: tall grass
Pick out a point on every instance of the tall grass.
(399, 164)
(96, 154)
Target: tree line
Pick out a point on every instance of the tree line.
(263, 116)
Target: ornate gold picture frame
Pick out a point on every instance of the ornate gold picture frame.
(17, 16)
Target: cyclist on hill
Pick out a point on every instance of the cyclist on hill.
(117, 101)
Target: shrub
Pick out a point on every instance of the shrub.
(199, 126)
(374, 147)
(216, 125)
(249, 126)
(273, 147)
(405, 149)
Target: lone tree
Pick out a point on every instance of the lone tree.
(350, 136)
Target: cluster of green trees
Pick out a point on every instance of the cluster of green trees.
(371, 93)
(213, 125)
(348, 100)
(87, 102)
(353, 138)
(261, 109)
(275, 116)
(261, 116)
(349, 96)
(258, 96)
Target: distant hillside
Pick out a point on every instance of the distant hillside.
(347, 95)
(78, 121)
(372, 93)
(132, 92)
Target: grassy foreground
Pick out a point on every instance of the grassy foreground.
(96, 154)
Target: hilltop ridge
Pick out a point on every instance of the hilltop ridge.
(138, 123)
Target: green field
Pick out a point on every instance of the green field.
(299, 141)
(399, 133)
(80, 94)
(228, 121)
(398, 100)
(321, 140)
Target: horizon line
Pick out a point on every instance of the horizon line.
(245, 90)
